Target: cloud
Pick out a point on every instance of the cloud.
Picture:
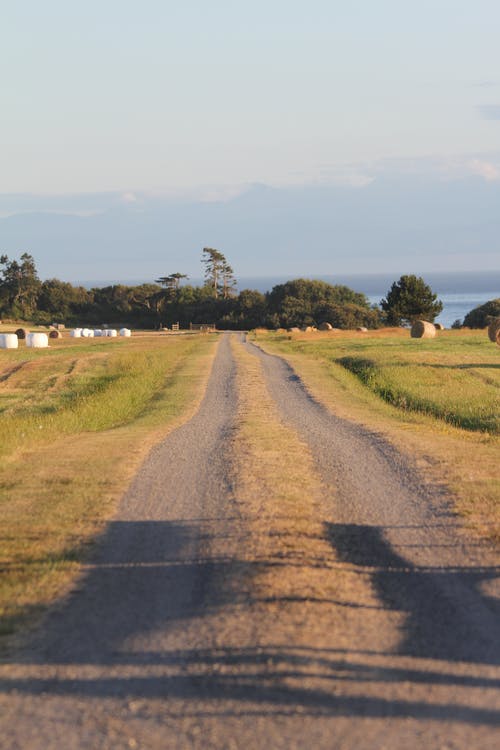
(489, 111)
(485, 169)
(129, 197)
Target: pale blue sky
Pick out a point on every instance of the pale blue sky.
(159, 95)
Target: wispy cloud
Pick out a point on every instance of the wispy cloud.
(485, 169)
(129, 197)
(433, 167)
(489, 111)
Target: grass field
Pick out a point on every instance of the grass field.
(437, 399)
(77, 419)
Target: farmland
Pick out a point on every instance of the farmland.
(77, 419)
(270, 558)
(438, 399)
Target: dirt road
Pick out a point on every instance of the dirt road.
(165, 643)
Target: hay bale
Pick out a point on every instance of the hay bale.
(294, 329)
(37, 340)
(308, 329)
(76, 333)
(8, 341)
(21, 333)
(422, 329)
(125, 332)
(325, 327)
(362, 329)
(493, 329)
(55, 334)
(439, 326)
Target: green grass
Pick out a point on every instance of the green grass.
(436, 400)
(77, 420)
(455, 378)
(79, 389)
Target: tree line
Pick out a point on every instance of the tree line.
(171, 299)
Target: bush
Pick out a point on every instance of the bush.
(481, 316)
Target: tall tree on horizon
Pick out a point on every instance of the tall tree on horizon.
(173, 281)
(19, 285)
(219, 275)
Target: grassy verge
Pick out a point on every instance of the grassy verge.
(77, 420)
(278, 489)
(443, 386)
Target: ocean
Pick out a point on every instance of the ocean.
(455, 306)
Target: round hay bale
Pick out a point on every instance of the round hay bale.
(439, 326)
(422, 329)
(308, 329)
(76, 333)
(55, 334)
(125, 332)
(21, 333)
(362, 329)
(37, 340)
(8, 341)
(294, 329)
(493, 329)
(325, 327)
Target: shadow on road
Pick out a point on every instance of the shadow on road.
(150, 576)
(438, 625)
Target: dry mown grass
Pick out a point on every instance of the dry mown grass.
(280, 496)
(70, 448)
(465, 460)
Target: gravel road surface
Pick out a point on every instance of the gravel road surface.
(163, 645)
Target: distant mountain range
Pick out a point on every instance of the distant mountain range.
(399, 225)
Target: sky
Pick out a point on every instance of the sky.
(119, 101)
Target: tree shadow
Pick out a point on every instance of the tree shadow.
(439, 624)
(151, 577)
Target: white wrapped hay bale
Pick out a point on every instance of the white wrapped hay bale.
(98, 332)
(91, 333)
(422, 329)
(125, 332)
(76, 333)
(111, 332)
(37, 340)
(85, 333)
(8, 341)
